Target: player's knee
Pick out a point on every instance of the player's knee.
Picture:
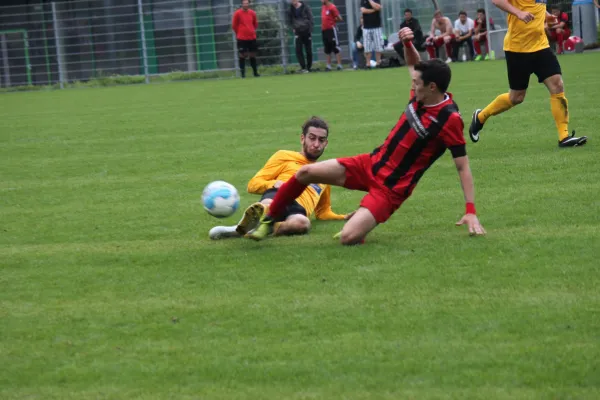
(267, 202)
(299, 226)
(304, 174)
(351, 238)
(557, 84)
(517, 98)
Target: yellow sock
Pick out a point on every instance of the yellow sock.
(560, 112)
(499, 105)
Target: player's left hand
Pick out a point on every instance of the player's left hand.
(475, 228)
(406, 34)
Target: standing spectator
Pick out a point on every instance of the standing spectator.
(481, 37)
(372, 32)
(244, 25)
(330, 16)
(357, 46)
(300, 19)
(446, 36)
(415, 27)
(463, 29)
(559, 31)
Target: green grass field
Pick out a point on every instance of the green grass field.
(110, 288)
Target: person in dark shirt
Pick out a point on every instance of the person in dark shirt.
(413, 24)
(300, 19)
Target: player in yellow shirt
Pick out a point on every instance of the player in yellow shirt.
(279, 169)
(528, 52)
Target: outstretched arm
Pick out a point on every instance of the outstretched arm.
(411, 55)
(466, 181)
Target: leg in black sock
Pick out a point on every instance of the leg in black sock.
(243, 66)
(254, 66)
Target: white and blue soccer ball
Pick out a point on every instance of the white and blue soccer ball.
(220, 199)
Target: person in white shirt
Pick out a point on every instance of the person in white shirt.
(463, 29)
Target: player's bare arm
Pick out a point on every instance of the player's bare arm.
(505, 6)
(432, 31)
(466, 181)
(411, 55)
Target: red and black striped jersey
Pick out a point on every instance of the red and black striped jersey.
(420, 137)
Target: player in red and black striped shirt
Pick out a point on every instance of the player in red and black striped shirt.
(429, 125)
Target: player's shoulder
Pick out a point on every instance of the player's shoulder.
(451, 108)
(283, 153)
(284, 156)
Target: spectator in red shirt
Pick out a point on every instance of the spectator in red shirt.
(244, 25)
(559, 31)
(329, 18)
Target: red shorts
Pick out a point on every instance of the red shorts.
(566, 34)
(380, 200)
(482, 39)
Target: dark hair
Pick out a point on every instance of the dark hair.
(435, 71)
(408, 10)
(463, 12)
(481, 10)
(314, 122)
(555, 7)
(438, 12)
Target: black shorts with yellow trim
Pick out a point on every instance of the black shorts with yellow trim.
(293, 209)
(520, 66)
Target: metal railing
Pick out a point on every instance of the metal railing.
(56, 43)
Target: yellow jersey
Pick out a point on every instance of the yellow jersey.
(281, 167)
(531, 37)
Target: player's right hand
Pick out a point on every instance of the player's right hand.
(406, 34)
(526, 17)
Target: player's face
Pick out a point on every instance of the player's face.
(294, 2)
(480, 16)
(556, 13)
(407, 16)
(314, 143)
(438, 17)
(422, 91)
(463, 18)
(245, 4)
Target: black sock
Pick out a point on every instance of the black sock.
(243, 66)
(253, 63)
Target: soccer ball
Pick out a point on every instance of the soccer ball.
(220, 199)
